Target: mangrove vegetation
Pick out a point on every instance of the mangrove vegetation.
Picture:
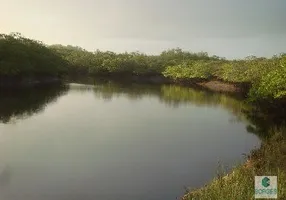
(22, 57)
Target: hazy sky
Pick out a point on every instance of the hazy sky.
(229, 28)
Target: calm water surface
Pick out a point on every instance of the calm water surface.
(116, 142)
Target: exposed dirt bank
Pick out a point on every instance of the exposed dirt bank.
(220, 86)
(216, 85)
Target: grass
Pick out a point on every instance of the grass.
(269, 159)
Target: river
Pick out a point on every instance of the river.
(111, 141)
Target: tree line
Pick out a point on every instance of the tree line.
(20, 56)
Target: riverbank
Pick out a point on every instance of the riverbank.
(268, 160)
(265, 77)
(214, 85)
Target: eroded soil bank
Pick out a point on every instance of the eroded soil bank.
(220, 86)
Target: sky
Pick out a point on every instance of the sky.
(227, 28)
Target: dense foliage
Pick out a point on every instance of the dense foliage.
(266, 76)
(82, 61)
(20, 56)
(26, 57)
(191, 70)
(271, 84)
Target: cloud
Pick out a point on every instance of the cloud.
(177, 20)
(150, 25)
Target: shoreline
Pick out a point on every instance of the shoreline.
(214, 85)
(268, 160)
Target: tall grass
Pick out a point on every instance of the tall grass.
(268, 160)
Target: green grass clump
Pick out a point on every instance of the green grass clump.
(269, 159)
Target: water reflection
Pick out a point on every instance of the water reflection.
(174, 95)
(137, 145)
(171, 95)
(24, 102)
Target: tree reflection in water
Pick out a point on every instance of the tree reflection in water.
(24, 102)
